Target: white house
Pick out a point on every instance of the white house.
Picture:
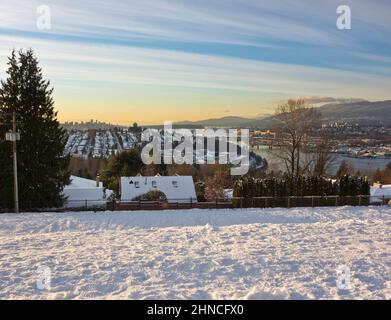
(176, 188)
(380, 192)
(81, 193)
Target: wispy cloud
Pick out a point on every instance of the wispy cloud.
(236, 22)
(159, 67)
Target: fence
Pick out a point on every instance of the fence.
(254, 202)
(304, 201)
(172, 204)
(42, 206)
(177, 204)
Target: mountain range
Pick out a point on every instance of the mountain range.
(357, 112)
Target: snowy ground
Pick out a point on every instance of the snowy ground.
(199, 254)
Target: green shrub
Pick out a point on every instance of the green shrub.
(154, 195)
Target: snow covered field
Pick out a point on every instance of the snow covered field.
(199, 254)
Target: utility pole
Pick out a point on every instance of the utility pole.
(16, 191)
(14, 136)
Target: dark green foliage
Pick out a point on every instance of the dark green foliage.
(278, 190)
(154, 195)
(125, 164)
(135, 128)
(42, 168)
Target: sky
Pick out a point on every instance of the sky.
(151, 61)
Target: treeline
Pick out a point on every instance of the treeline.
(346, 187)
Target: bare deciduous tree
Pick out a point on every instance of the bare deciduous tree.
(294, 121)
(216, 183)
(322, 155)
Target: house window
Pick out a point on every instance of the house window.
(154, 184)
(137, 184)
(175, 184)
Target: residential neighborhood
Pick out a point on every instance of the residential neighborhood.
(99, 143)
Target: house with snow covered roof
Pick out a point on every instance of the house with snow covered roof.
(82, 193)
(175, 188)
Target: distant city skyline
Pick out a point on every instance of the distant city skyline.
(150, 61)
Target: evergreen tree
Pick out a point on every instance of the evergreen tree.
(42, 168)
(124, 164)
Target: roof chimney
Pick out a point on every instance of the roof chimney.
(97, 180)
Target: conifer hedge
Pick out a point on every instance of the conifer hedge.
(300, 191)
